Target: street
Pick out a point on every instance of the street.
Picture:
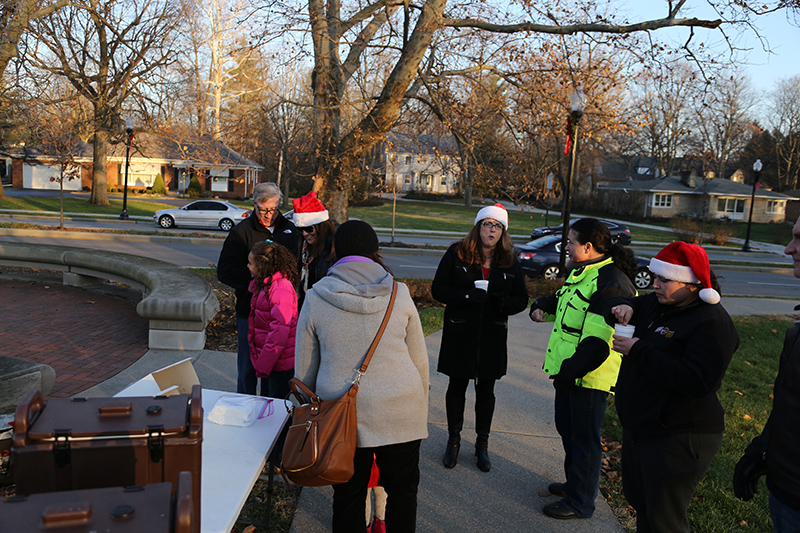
(743, 283)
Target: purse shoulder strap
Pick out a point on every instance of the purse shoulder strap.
(378, 335)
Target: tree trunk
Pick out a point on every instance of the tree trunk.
(99, 194)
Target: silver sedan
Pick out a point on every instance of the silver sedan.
(202, 214)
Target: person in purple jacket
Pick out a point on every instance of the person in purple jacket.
(272, 323)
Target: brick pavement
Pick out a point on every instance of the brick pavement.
(87, 336)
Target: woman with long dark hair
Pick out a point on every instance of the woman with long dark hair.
(476, 323)
(580, 360)
(315, 253)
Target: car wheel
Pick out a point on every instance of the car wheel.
(614, 239)
(550, 272)
(643, 279)
(226, 224)
(166, 221)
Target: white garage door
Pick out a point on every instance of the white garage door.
(38, 177)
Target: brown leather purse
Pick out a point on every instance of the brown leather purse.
(321, 442)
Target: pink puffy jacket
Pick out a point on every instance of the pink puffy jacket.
(272, 326)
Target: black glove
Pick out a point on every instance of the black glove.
(746, 474)
(562, 382)
(476, 296)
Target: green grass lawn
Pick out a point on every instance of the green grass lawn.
(81, 205)
(745, 395)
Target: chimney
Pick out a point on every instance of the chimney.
(687, 178)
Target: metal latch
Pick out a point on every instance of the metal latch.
(155, 442)
(61, 447)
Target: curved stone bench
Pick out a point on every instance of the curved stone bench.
(178, 303)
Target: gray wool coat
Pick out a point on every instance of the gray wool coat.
(339, 319)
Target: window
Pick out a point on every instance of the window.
(776, 206)
(408, 160)
(444, 180)
(731, 205)
(662, 200)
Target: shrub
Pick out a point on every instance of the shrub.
(429, 196)
(158, 185)
(194, 189)
(720, 233)
(372, 201)
(686, 230)
(112, 188)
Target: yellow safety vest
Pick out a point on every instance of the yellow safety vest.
(573, 323)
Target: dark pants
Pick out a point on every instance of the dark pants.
(246, 375)
(398, 465)
(277, 386)
(579, 415)
(660, 476)
(785, 519)
(456, 399)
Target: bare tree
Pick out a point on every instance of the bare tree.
(106, 49)
(722, 120)
(342, 35)
(15, 16)
(784, 106)
(663, 100)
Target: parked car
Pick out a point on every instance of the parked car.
(202, 214)
(540, 258)
(619, 232)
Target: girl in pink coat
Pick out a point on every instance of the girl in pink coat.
(273, 316)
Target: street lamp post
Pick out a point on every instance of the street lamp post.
(577, 104)
(129, 131)
(757, 166)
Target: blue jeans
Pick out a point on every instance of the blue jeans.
(246, 375)
(784, 518)
(579, 414)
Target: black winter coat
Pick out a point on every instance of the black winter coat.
(782, 432)
(474, 335)
(668, 382)
(317, 270)
(232, 265)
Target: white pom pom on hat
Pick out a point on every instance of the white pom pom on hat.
(688, 263)
(496, 211)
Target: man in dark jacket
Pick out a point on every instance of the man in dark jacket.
(264, 223)
(774, 452)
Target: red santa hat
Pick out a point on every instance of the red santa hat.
(308, 210)
(496, 211)
(688, 263)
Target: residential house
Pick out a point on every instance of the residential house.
(221, 171)
(688, 195)
(426, 163)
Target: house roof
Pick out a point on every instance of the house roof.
(419, 144)
(673, 185)
(200, 152)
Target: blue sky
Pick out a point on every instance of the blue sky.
(763, 68)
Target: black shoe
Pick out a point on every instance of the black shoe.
(560, 511)
(451, 453)
(482, 453)
(556, 489)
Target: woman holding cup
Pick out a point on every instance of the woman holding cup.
(481, 283)
(672, 367)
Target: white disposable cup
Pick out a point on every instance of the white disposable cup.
(482, 284)
(624, 331)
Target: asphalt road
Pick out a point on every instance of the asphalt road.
(764, 284)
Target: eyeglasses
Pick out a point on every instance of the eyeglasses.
(267, 211)
(490, 225)
(308, 229)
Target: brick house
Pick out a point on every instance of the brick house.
(221, 171)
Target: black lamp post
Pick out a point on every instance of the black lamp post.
(757, 166)
(129, 130)
(577, 104)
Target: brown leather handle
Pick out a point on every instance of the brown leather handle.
(196, 412)
(26, 413)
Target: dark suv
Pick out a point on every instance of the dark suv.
(619, 232)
